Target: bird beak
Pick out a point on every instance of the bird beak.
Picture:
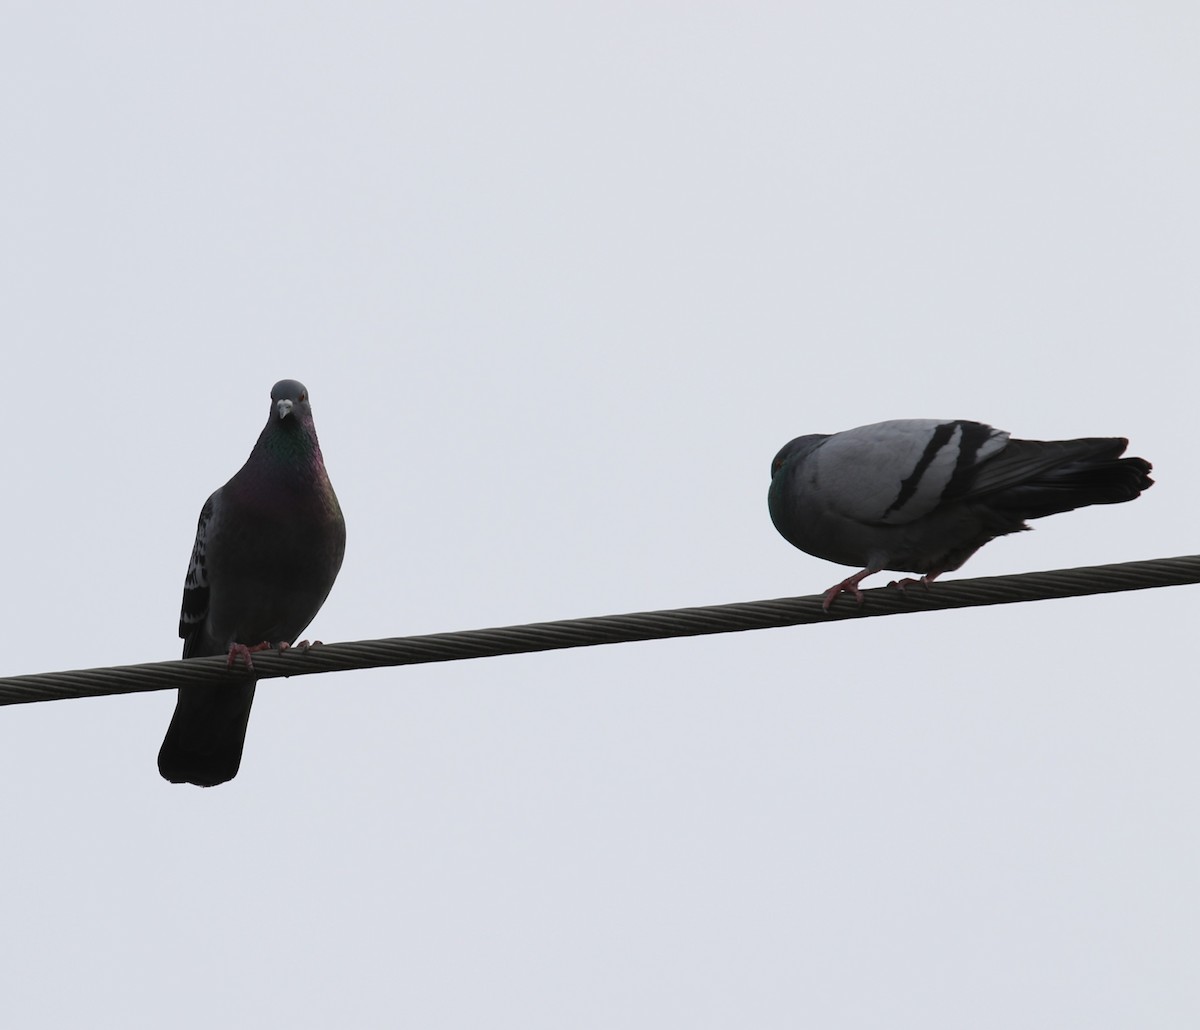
(284, 408)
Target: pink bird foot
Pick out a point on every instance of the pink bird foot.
(903, 584)
(303, 647)
(846, 586)
(242, 651)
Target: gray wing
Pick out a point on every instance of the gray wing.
(893, 473)
(195, 586)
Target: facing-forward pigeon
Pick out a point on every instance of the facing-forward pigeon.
(268, 548)
(922, 495)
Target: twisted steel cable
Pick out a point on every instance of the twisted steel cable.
(608, 629)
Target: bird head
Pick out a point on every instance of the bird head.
(289, 399)
(797, 448)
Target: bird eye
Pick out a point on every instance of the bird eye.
(304, 396)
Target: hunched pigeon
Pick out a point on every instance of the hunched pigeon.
(268, 548)
(922, 495)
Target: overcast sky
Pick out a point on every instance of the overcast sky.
(561, 279)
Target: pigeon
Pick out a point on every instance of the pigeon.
(922, 495)
(268, 548)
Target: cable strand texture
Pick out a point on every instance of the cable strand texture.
(608, 629)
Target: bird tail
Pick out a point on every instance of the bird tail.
(1084, 472)
(204, 742)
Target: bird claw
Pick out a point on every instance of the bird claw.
(832, 594)
(303, 647)
(903, 584)
(846, 586)
(243, 651)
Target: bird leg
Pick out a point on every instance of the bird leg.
(237, 651)
(847, 586)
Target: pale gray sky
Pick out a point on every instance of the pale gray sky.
(561, 279)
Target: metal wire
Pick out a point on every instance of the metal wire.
(607, 629)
